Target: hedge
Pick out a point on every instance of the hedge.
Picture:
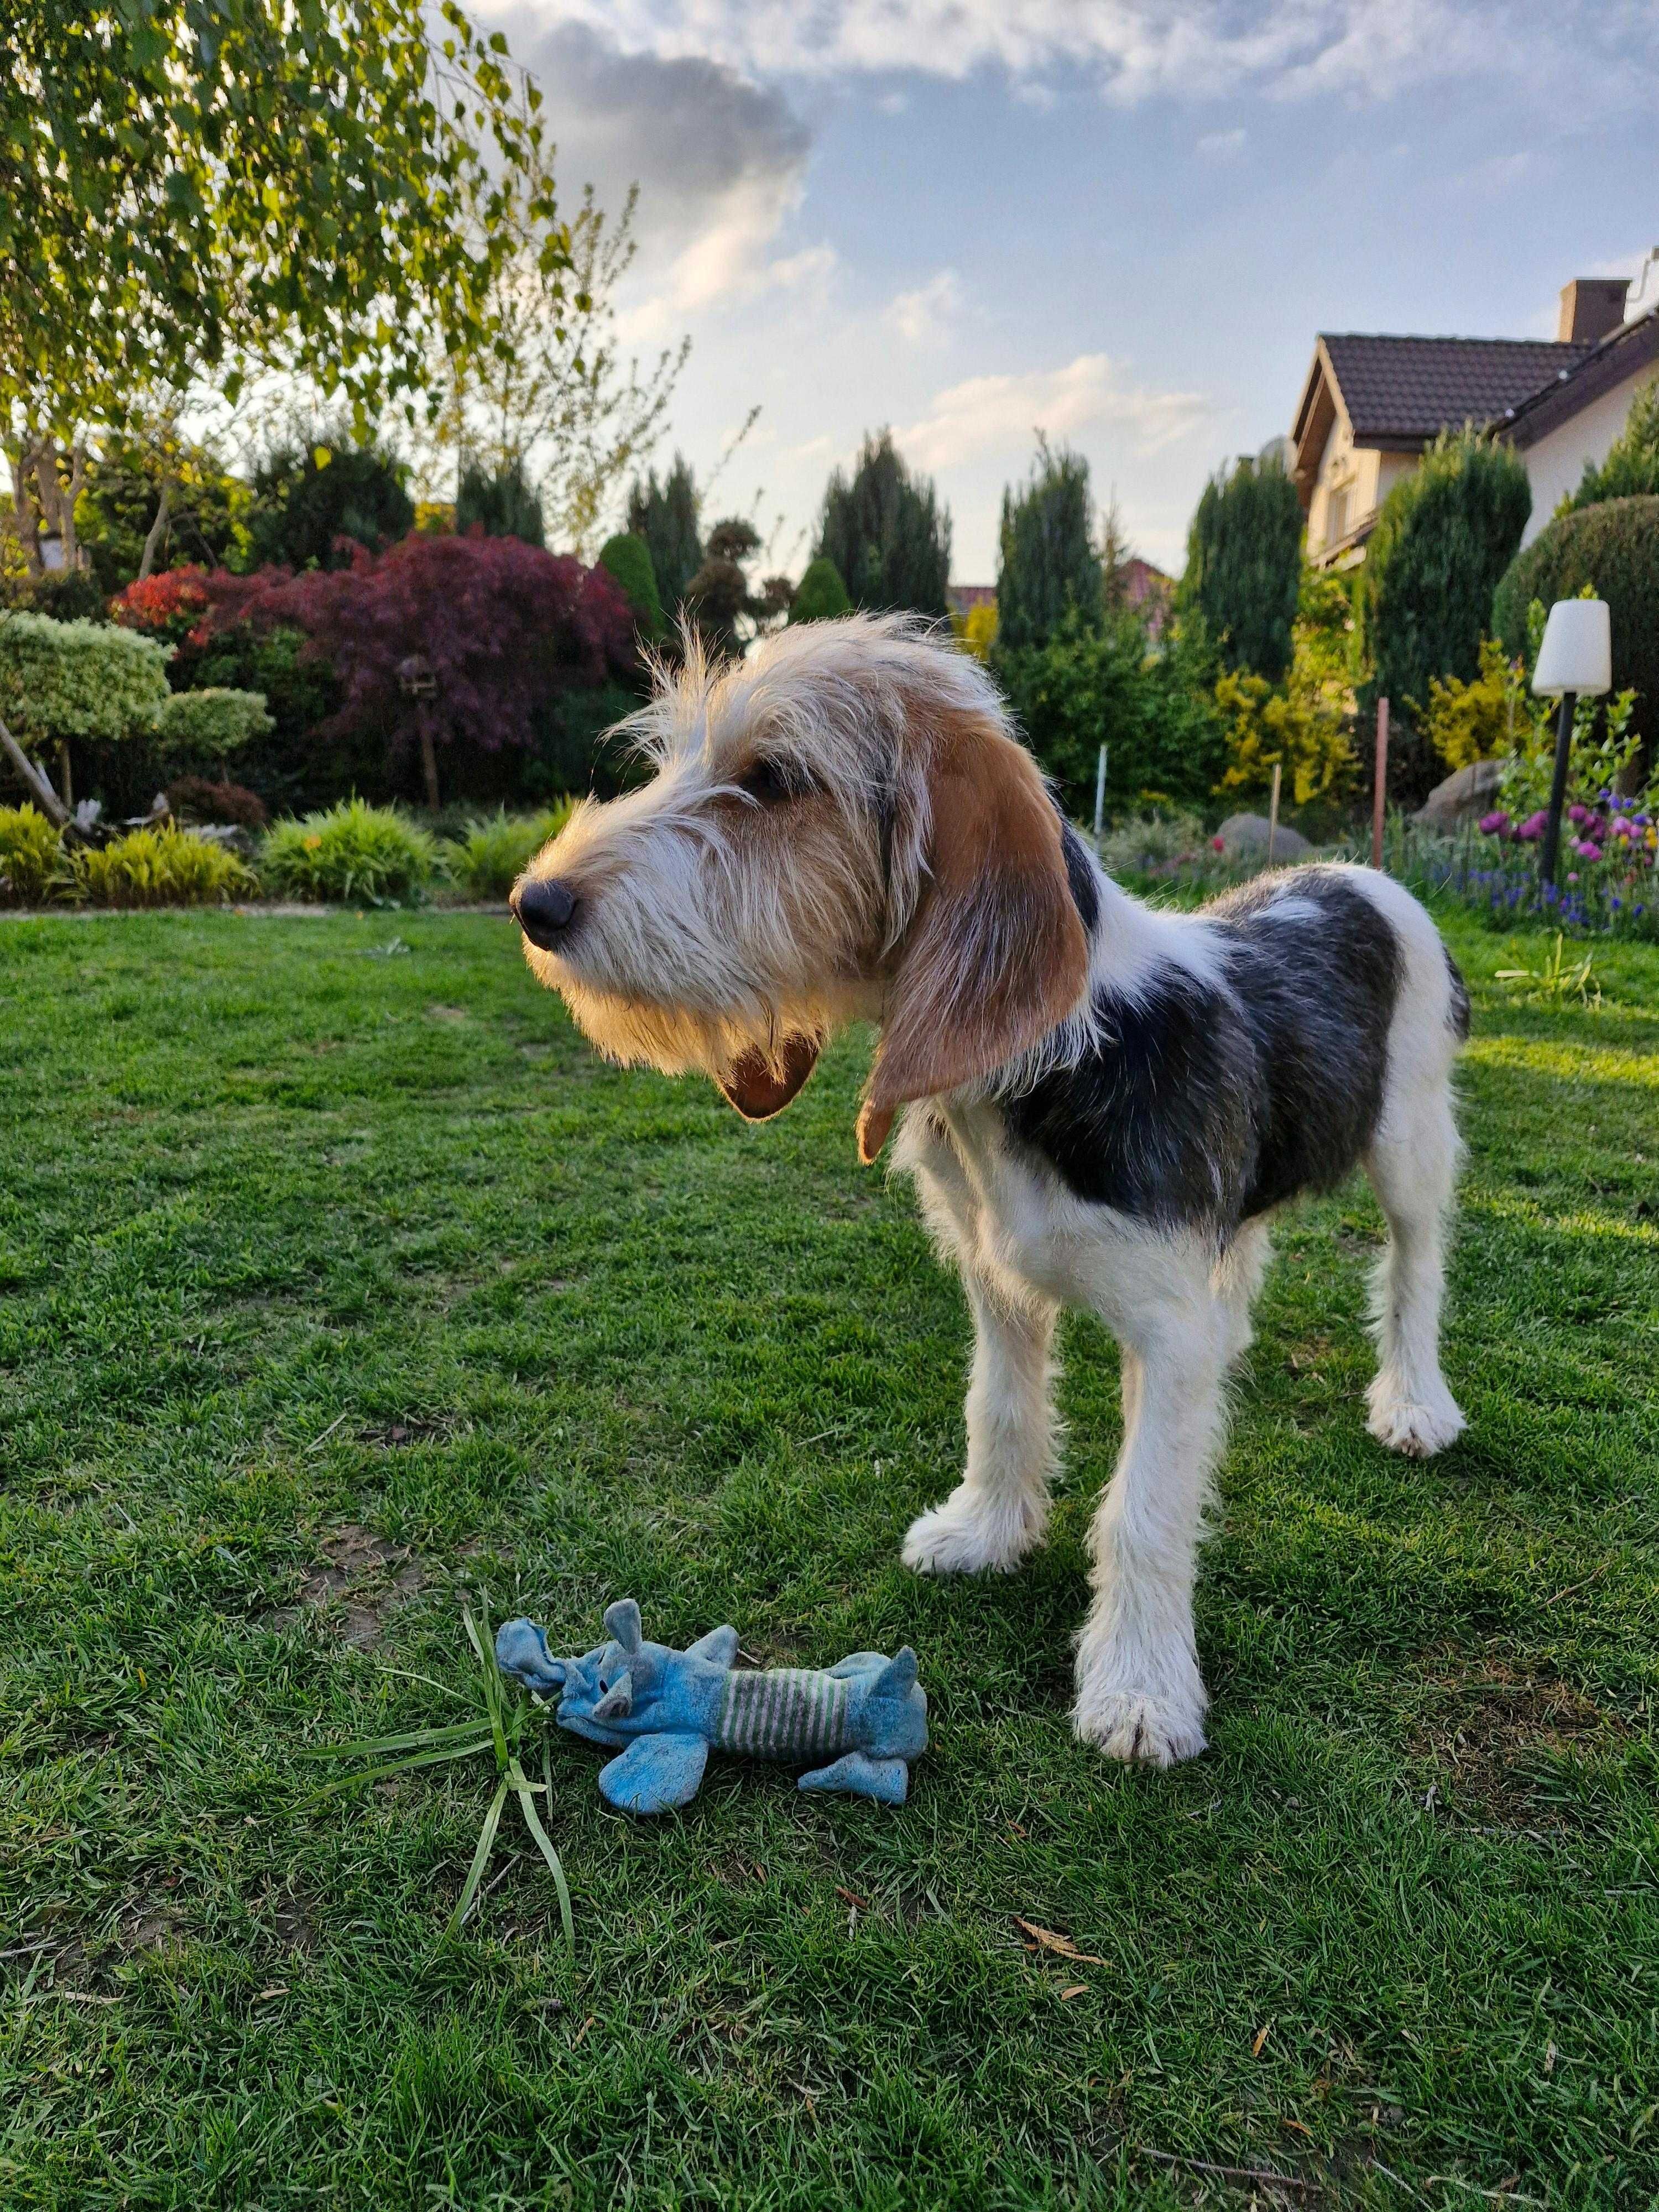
(1614, 546)
(210, 722)
(78, 679)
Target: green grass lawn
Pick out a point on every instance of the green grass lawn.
(339, 1282)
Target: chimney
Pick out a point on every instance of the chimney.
(1591, 307)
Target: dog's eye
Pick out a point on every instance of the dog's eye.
(773, 781)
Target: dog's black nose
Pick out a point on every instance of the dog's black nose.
(542, 907)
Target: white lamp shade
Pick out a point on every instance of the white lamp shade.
(1577, 653)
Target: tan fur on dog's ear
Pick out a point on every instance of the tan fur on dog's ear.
(995, 956)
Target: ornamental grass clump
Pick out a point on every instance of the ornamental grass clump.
(494, 850)
(501, 1715)
(352, 852)
(31, 857)
(162, 866)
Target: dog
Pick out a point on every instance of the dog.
(1104, 1103)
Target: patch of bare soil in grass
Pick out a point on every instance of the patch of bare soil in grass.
(1493, 1730)
(360, 1579)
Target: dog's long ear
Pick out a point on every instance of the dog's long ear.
(760, 1086)
(995, 955)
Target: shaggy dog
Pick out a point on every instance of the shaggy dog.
(1104, 1104)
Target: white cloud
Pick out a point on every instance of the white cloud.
(924, 316)
(992, 413)
(1141, 49)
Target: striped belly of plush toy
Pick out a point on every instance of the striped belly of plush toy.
(791, 1713)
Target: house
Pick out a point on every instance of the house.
(1147, 590)
(1370, 405)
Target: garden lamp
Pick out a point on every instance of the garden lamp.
(1575, 661)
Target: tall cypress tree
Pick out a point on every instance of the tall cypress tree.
(666, 515)
(1244, 566)
(886, 533)
(502, 501)
(1049, 564)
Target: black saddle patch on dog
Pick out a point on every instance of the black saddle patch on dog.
(1206, 1102)
(1081, 875)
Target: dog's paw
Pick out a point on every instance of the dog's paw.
(1128, 1725)
(1418, 1426)
(967, 1536)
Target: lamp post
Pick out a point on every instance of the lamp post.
(1575, 661)
(416, 681)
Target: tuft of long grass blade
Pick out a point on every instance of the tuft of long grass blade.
(400, 1766)
(515, 1774)
(480, 1857)
(372, 1747)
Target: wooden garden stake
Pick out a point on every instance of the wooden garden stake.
(1273, 813)
(1380, 798)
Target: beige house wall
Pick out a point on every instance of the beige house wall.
(1353, 482)
(1556, 463)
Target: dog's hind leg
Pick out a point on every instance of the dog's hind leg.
(999, 1509)
(1235, 1280)
(1414, 1164)
(1139, 1693)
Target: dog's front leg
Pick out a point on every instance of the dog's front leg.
(1140, 1694)
(999, 1509)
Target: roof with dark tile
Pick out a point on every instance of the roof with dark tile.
(1412, 387)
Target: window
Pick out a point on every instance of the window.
(1336, 513)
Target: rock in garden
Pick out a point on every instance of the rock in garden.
(1244, 838)
(1472, 791)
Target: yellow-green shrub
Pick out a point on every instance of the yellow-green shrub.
(31, 856)
(164, 867)
(372, 855)
(490, 855)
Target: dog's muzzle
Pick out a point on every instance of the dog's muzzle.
(543, 908)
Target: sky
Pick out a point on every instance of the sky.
(1119, 221)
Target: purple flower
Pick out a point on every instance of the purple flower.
(1586, 850)
(1533, 827)
(1494, 824)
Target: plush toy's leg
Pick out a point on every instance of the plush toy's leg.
(719, 1647)
(887, 1780)
(656, 1773)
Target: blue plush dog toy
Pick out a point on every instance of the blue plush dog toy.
(867, 1716)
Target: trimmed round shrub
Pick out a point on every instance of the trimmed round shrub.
(79, 679)
(211, 722)
(31, 856)
(200, 798)
(354, 851)
(1614, 546)
(493, 851)
(628, 558)
(163, 866)
(821, 595)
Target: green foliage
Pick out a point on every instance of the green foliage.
(1613, 546)
(163, 866)
(1444, 536)
(78, 679)
(206, 724)
(291, 769)
(886, 533)
(494, 851)
(1092, 684)
(186, 188)
(354, 851)
(666, 515)
(31, 856)
(1049, 564)
(627, 556)
(1244, 567)
(820, 596)
(310, 492)
(1477, 721)
(1154, 843)
(500, 502)
(206, 521)
(1602, 749)
(72, 595)
(1303, 724)
(1631, 469)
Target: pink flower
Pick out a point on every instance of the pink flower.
(1586, 851)
(1493, 826)
(1219, 843)
(1578, 814)
(1573, 875)
(1533, 827)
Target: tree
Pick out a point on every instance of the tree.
(886, 533)
(1613, 546)
(155, 495)
(544, 391)
(820, 596)
(499, 503)
(1099, 683)
(1631, 466)
(1048, 561)
(85, 680)
(1304, 724)
(666, 516)
(628, 558)
(314, 489)
(1444, 536)
(719, 601)
(1243, 565)
(187, 191)
(443, 640)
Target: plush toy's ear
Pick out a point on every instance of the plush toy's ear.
(622, 1622)
(995, 955)
(760, 1085)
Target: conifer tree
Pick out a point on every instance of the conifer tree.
(886, 533)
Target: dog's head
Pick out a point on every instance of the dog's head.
(840, 827)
